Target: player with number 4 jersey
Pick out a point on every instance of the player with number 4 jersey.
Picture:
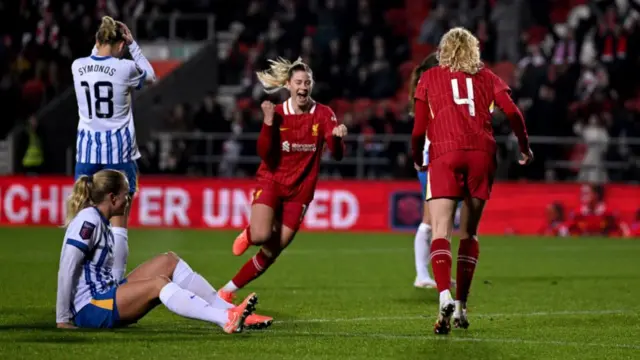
(453, 106)
(103, 84)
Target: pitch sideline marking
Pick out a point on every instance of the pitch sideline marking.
(455, 339)
(400, 318)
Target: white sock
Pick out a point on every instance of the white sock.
(422, 249)
(220, 303)
(445, 296)
(120, 252)
(185, 303)
(187, 279)
(230, 287)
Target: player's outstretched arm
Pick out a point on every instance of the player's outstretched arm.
(148, 74)
(419, 132)
(516, 120)
(268, 133)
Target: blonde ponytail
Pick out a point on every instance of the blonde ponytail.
(79, 199)
(279, 72)
(109, 32)
(94, 190)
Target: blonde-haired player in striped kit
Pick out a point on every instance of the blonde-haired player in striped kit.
(103, 84)
(90, 296)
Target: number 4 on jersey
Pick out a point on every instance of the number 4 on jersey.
(464, 101)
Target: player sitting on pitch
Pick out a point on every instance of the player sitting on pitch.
(88, 294)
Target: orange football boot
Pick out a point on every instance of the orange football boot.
(239, 314)
(241, 244)
(253, 321)
(257, 322)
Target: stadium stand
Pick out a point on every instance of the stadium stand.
(569, 62)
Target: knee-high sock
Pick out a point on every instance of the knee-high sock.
(441, 263)
(468, 253)
(185, 303)
(190, 280)
(421, 246)
(120, 252)
(250, 271)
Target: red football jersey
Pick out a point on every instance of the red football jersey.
(596, 221)
(460, 108)
(292, 148)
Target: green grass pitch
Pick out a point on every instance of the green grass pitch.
(338, 296)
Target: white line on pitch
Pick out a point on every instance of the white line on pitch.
(400, 318)
(456, 339)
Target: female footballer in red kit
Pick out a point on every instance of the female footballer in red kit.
(453, 106)
(290, 144)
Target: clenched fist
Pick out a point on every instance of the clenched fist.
(339, 131)
(269, 110)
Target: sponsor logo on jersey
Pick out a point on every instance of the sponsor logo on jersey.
(288, 147)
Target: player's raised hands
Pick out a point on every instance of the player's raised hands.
(269, 110)
(340, 131)
(527, 158)
(128, 37)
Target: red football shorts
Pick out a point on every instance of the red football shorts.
(462, 173)
(289, 205)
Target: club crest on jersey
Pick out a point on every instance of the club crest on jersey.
(86, 231)
(314, 130)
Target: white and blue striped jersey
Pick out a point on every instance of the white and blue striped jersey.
(85, 263)
(103, 87)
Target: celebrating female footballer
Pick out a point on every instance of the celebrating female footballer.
(291, 143)
(89, 296)
(453, 101)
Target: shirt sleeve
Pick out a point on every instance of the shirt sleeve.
(78, 243)
(499, 85)
(421, 90)
(336, 144)
(502, 99)
(419, 132)
(143, 70)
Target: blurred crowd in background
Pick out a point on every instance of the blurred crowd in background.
(571, 65)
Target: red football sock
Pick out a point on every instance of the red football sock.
(441, 263)
(252, 269)
(467, 259)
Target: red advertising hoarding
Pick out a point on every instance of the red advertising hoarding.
(338, 205)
